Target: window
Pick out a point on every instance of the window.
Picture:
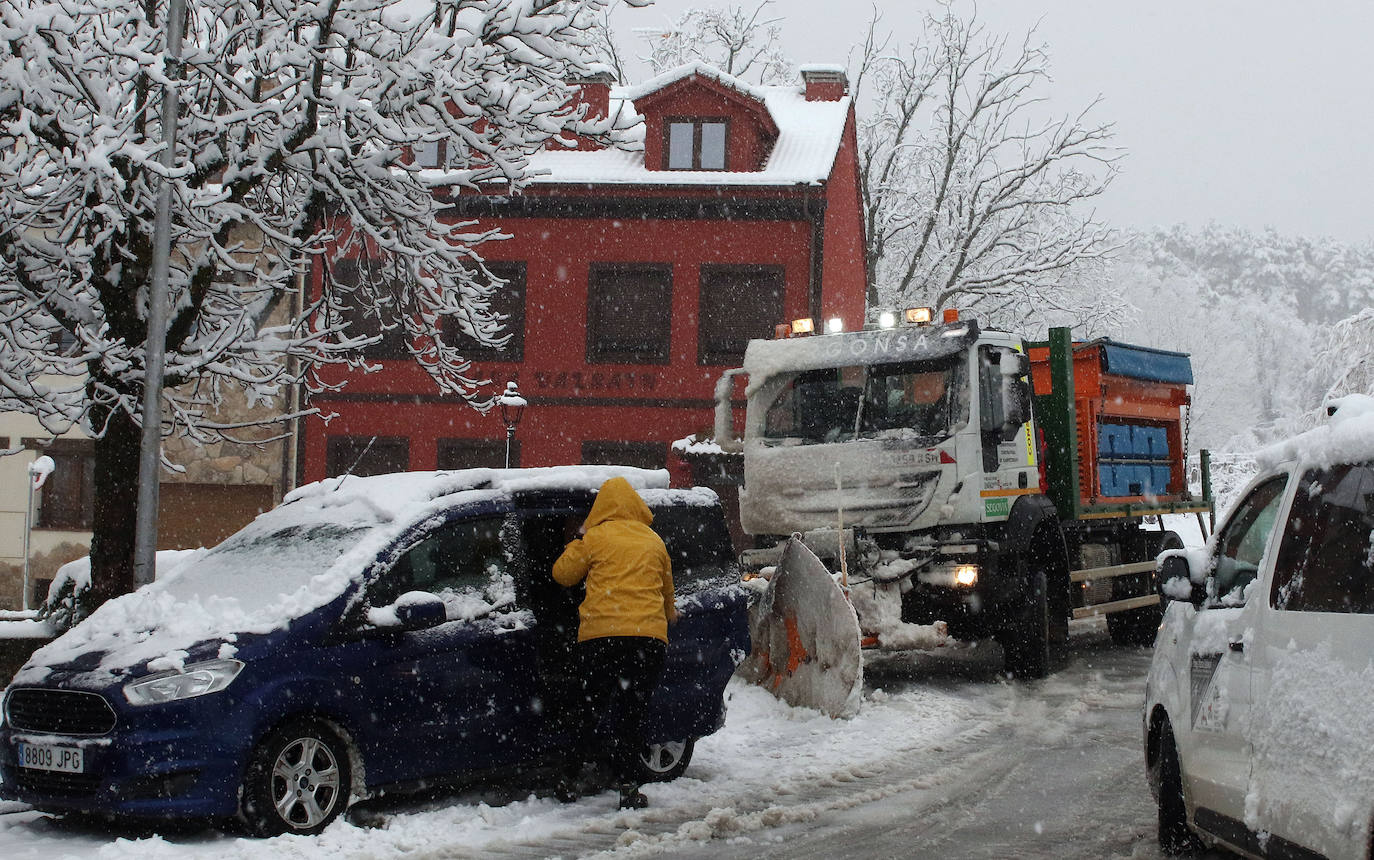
(696, 144)
(698, 542)
(737, 303)
(476, 454)
(921, 398)
(428, 153)
(509, 302)
(366, 455)
(465, 563)
(1242, 543)
(67, 500)
(371, 302)
(641, 455)
(629, 311)
(1326, 561)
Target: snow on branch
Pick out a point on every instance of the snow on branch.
(294, 141)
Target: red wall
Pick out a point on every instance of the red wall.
(844, 262)
(571, 400)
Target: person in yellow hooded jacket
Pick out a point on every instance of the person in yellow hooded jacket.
(622, 633)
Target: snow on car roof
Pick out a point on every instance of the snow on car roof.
(1347, 437)
(298, 557)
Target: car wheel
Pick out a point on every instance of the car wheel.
(1026, 640)
(1176, 838)
(298, 780)
(666, 761)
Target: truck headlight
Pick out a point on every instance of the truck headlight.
(198, 679)
(950, 575)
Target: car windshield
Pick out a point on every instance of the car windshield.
(256, 567)
(923, 399)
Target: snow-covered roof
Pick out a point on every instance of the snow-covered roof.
(809, 134)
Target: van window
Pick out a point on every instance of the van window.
(698, 544)
(464, 563)
(1242, 544)
(1326, 561)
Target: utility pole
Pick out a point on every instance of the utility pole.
(150, 450)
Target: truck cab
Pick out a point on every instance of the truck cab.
(900, 429)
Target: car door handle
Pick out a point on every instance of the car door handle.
(1238, 646)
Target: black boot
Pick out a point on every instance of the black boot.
(631, 797)
(566, 790)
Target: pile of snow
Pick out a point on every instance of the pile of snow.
(292, 560)
(696, 446)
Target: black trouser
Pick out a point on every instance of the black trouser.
(618, 675)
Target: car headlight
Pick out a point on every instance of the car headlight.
(198, 679)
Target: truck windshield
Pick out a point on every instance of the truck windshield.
(922, 399)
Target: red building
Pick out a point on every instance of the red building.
(635, 278)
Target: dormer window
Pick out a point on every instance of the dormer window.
(430, 153)
(696, 144)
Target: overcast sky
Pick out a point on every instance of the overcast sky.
(1245, 112)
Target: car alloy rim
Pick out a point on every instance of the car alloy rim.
(661, 758)
(305, 783)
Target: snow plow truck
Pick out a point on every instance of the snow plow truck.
(918, 480)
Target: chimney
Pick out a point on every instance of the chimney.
(593, 90)
(825, 83)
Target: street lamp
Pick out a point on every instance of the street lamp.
(512, 407)
(39, 470)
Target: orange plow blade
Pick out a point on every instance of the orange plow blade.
(806, 637)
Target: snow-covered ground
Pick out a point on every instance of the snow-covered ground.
(941, 735)
(939, 743)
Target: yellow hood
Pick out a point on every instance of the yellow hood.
(617, 500)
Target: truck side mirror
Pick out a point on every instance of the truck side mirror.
(1016, 392)
(724, 414)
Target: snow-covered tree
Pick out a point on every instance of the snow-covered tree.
(973, 194)
(739, 41)
(292, 149)
(1252, 351)
(1343, 362)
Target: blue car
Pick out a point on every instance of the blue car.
(369, 634)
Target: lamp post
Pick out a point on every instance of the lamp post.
(512, 407)
(39, 470)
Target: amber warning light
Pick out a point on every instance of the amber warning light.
(803, 326)
(919, 316)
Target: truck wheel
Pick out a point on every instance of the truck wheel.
(1025, 640)
(1138, 626)
(1176, 838)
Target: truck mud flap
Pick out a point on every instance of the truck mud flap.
(806, 637)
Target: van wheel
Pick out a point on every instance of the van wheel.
(297, 782)
(1176, 838)
(666, 761)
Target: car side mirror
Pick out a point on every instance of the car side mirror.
(414, 610)
(1175, 577)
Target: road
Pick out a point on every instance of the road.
(1049, 769)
